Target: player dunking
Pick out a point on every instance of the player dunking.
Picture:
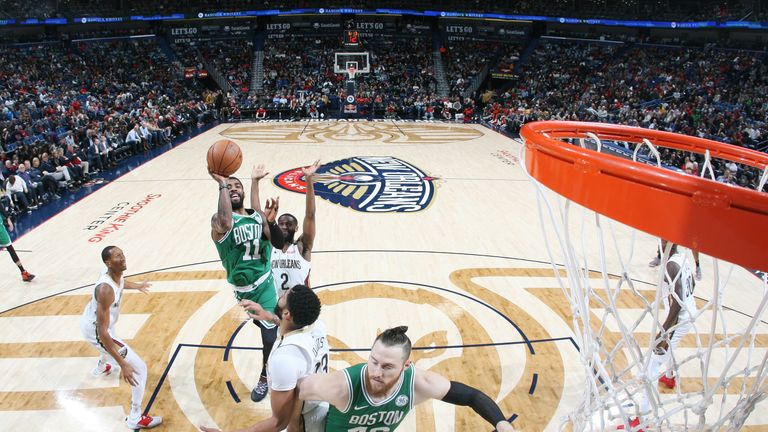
(378, 394)
(291, 264)
(97, 325)
(301, 350)
(242, 237)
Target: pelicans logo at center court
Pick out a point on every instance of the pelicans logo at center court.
(377, 184)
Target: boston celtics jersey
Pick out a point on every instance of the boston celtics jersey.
(5, 239)
(244, 254)
(363, 415)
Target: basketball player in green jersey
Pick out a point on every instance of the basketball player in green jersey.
(5, 243)
(242, 237)
(376, 396)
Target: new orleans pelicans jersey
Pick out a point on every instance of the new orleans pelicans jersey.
(362, 414)
(289, 269)
(685, 276)
(312, 341)
(244, 254)
(88, 318)
(294, 356)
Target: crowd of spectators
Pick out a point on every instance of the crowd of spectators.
(86, 105)
(685, 10)
(292, 64)
(24, 8)
(188, 55)
(300, 76)
(662, 10)
(465, 60)
(509, 55)
(402, 73)
(70, 111)
(233, 58)
(711, 93)
(657, 10)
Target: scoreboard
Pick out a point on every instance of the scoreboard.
(351, 38)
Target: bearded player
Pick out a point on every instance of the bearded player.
(242, 237)
(377, 395)
(291, 264)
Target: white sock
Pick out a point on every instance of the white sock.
(654, 366)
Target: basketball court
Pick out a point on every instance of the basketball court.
(430, 225)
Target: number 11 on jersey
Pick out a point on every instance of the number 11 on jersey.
(365, 429)
(251, 251)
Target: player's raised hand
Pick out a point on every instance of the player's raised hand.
(259, 172)
(270, 209)
(309, 171)
(219, 179)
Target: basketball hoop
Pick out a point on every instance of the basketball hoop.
(594, 207)
(714, 218)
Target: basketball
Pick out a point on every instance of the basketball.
(224, 157)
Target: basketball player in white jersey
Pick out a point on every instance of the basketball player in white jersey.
(678, 288)
(301, 349)
(98, 322)
(291, 264)
(677, 294)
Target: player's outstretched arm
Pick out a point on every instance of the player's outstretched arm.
(142, 286)
(271, 232)
(221, 222)
(258, 173)
(330, 387)
(430, 385)
(255, 311)
(271, 208)
(308, 230)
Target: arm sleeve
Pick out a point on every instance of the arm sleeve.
(464, 395)
(276, 236)
(285, 367)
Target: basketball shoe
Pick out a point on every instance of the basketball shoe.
(102, 369)
(145, 422)
(632, 424)
(668, 382)
(27, 276)
(260, 391)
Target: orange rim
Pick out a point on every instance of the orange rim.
(724, 221)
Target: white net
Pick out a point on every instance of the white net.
(711, 359)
